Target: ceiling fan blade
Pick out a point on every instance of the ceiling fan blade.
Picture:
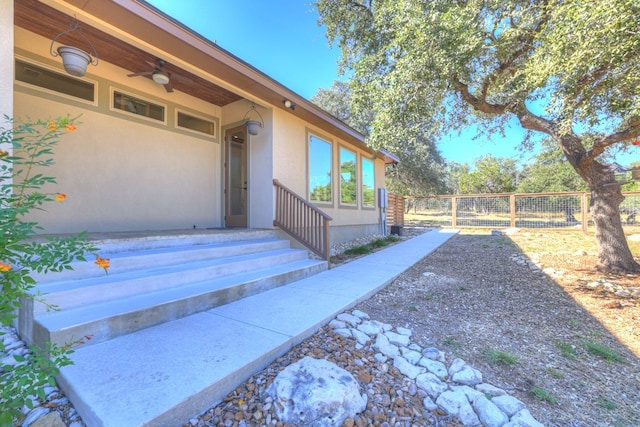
(145, 73)
(168, 87)
(155, 65)
(181, 79)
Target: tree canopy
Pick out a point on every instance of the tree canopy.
(567, 68)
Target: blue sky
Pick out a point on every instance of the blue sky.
(282, 39)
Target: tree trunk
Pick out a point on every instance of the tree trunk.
(614, 254)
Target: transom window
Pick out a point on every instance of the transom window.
(197, 124)
(57, 82)
(134, 105)
(320, 179)
(368, 183)
(348, 188)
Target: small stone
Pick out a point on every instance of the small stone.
(34, 415)
(524, 419)
(508, 404)
(456, 403)
(404, 331)
(360, 336)
(407, 369)
(360, 314)
(50, 419)
(429, 404)
(488, 389)
(434, 367)
(349, 318)
(336, 324)
(343, 332)
(489, 413)
(385, 347)
(431, 384)
(412, 356)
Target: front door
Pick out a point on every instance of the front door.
(235, 183)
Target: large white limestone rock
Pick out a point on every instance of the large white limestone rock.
(316, 392)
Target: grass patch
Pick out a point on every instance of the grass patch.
(452, 342)
(607, 404)
(412, 307)
(566, 350)
(358, 250)
(543, 395)
(371, 246)
(602, 351)
(500, 357)
(554, 373)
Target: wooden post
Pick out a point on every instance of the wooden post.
(512, 209)
(454, 211)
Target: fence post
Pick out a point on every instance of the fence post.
(454, 212)
(585, 210)
(512, 209)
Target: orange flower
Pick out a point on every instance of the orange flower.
(52, 126)
(102, 262)
(636, 142)
(60, 197)
(4, 267)
(70, 127)
(3, 153)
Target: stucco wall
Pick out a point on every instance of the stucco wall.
(6, 59)
(123, 172)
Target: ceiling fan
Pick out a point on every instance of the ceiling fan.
(161, 76)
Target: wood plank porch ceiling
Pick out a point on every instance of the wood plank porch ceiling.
(47, 22)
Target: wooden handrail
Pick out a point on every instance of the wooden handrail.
(303, 221)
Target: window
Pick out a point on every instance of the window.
(137, 106)
(47, 79)
(197, 124)
(319, 170)
(368, 183)
(348, 189)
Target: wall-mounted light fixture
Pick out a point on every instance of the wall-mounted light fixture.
(75, 60)
(289, 104)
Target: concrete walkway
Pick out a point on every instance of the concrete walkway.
(166, 374)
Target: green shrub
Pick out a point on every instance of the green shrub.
(21, 191)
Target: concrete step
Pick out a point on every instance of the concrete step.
(126, 258)
(82, 292)
(116, 317)
(154, 280)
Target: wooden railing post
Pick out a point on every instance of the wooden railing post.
(512, 209)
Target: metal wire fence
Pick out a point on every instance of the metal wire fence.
(559, 211)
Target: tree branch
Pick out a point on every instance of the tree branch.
(630, 132)
(479, 104)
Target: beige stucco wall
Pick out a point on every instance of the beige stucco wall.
(6, 59)
(122, 172)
